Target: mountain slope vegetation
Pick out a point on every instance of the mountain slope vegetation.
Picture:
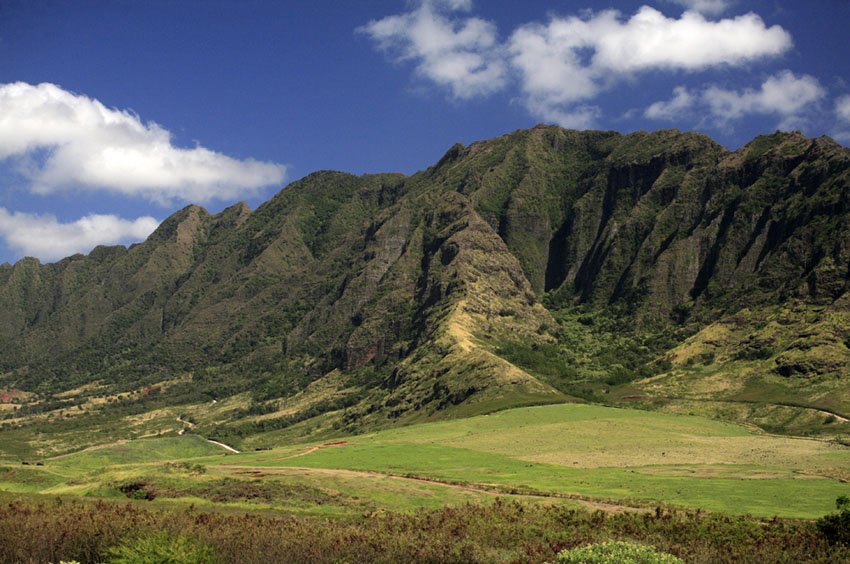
(544, 266)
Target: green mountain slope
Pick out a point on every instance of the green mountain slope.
(532, 268)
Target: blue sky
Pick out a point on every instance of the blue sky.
(115, 114)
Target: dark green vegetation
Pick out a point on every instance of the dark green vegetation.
(655, 269)
(54, 530)
(836, 526)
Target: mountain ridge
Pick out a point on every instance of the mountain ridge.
(493, 278)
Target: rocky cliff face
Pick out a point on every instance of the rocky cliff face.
(665, 220)
(403, 284)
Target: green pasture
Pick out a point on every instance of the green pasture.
(601, 452)
(546, 454)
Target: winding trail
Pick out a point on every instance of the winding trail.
(837, 417)
(190, 425)
(224, 446)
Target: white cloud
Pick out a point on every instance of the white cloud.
(571, 60)
(674, 108)
(575, 117)
(709, 7)
(564, 64)
(69, 140)
(461, 55)
(842, 108)
(552, 74)
(44, 237)
(650, 40)
(784, 94)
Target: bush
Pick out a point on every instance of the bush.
(138, 490)
(755, 351)
(706, 358)
(159, 548)
(616, 553)
(836, 526)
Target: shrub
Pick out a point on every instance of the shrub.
(186, 466)
(138, 490)
(662, 365)
(159, 548)
(706, 358)
(617, 552)
(755, 351)
(836, 526)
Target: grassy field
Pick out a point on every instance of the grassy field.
(179, 471)
(565, 454)
(598, 452)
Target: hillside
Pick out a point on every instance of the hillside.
(543, 266)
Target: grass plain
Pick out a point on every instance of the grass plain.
(559, 454)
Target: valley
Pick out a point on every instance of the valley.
(640, 329)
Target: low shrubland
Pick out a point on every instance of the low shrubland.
(89, 531)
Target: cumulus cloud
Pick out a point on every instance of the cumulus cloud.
(709, 7)
(573, 59)
(842, 108)
(45, 237)
(561, 66)
(681, 102)
(784, 94)
(553, 76)
(69, 141)
(650, 40)
(461, 54)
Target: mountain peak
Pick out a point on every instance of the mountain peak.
(234, 215)
(181, 223)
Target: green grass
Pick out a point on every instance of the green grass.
(549, 452)
(100, 473)
(15, 445)
(25, 479)
(90, 471)
(764, 497)
(300, 491)
(138, 452)
(601, 452)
